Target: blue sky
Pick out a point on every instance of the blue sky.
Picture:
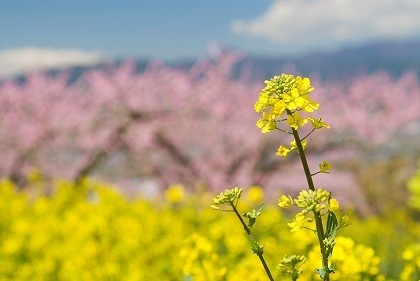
(45, 33)
(168, 29)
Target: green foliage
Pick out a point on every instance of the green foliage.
(252, 216)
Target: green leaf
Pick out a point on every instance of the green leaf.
(332, 225)
(321, 273)
(258, 211)
(253, 215)
(256, 248)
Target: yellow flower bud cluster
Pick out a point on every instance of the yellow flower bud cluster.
(310, 200)
(285, 93)
(281, 100)
(290, 266)
(227, 197)
(315, 201)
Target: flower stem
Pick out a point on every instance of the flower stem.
(318, 220)
(250, 235)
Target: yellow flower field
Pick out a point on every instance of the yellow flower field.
(91, 232)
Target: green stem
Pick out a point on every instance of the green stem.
(248, 231)
(317, 215)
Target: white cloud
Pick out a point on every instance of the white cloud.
(302, 25)
(25, 60)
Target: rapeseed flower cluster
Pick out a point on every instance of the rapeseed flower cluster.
(286, 99)
(310, 200)
(91, 232)
(291, 266)
(319, 201)
(228, 197)
(283, 99)
(411, 256)
(200, 260)
(351, 261)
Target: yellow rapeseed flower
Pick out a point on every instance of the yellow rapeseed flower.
(175, 193)
(282, 151)
(324, 167)
(255, 194)
(298, 222)
(318, 123)
(285, 201)
(296, 121)
(288, 94)
(267, 123)
(293, 145)
(334, 204)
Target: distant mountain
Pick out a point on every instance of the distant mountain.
(394, 58)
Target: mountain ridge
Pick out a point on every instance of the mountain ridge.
(393, 58)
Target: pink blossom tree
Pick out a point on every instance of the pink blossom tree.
(365, 103)
(30, 120)
(192, 126)
(178, 125)
(375, 124)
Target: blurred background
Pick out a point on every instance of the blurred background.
(95, 89)
(155, 98)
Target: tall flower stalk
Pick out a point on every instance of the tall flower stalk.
(286, 106)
